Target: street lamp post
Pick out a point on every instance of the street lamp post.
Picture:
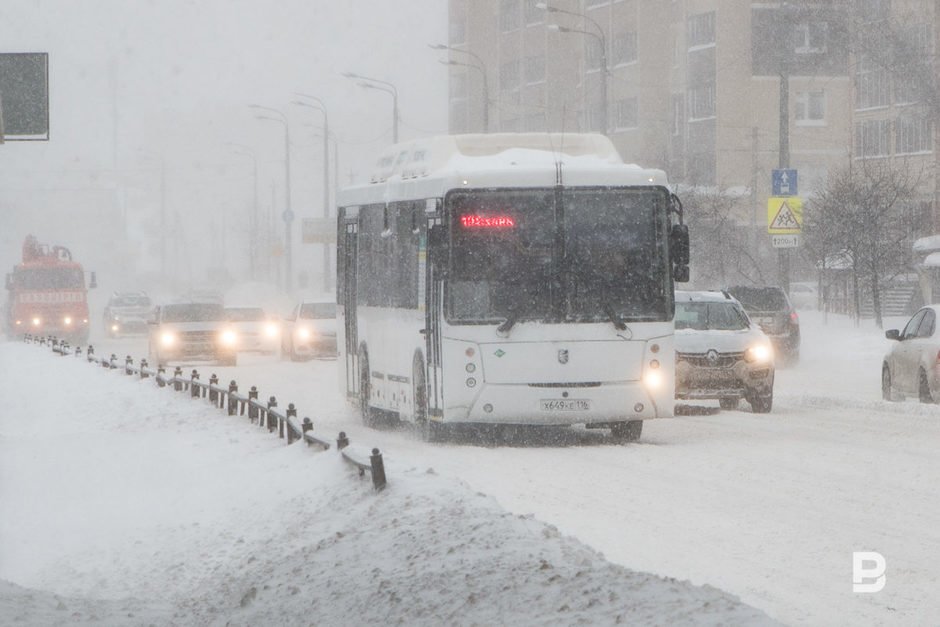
(374, 83)
(481, 67)
(253, 222)
(326, 177)
(602, 42)
(288, 213)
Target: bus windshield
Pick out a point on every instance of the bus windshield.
(49, 279)
(596, 254)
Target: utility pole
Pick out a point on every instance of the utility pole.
(783, 254)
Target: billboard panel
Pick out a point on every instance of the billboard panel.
(24, 96)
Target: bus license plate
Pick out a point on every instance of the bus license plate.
(567, 404)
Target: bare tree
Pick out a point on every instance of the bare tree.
(861, 214)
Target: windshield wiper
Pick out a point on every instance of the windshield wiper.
(618, 323)
(503, 329)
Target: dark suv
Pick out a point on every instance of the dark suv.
(770, 308)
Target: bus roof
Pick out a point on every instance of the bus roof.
(428, 167)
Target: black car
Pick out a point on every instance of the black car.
(772, 310)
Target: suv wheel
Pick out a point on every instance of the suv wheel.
(762, 403)
(628, 431)
(886, 392)
(924, 388)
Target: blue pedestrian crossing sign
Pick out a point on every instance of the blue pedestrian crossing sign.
(785, 183)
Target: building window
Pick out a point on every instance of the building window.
(458, 32)
(811, 108)
(533, 14)
(509, 15)
(701, 29)
(678, 114)
(912, 133)
(624, 48)
(626, 114)
(458, 86)
(871, 84)
(872, 138)
(534, 69)
(811, 38)
(702, 101)
(509, 75)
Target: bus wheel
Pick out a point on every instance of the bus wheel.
(626, 431)
(427, 430)
(369, 415)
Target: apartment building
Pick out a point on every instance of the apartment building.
(716, 92)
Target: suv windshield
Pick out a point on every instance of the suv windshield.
(130, 300)
(761, 298)
(318, 311)
(596, 254)
(202, 312)
(714, 316)
(244, 314)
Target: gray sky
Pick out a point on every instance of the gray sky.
(172, 79)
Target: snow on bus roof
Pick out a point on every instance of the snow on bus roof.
(498, 151)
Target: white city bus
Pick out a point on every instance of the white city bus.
(509, 279)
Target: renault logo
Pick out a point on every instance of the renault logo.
(712, 356)
(563, 356)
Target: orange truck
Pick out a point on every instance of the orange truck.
(47, 295)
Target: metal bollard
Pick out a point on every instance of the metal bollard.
(78, 351)
(232, 390)
(161, 376)
(112, 362)
(342, 441)
(128, 365)
(307, 425)
(272, 403)
(178, 374)
(193, 388)
(143, 368)
(213, 395)
(252, 409)
(378, 469)
(291, 413)
(90, 355)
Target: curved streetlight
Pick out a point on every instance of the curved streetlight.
(374, 83)
(482, 69)
(288, 213)
(321, 106)
(601, 40)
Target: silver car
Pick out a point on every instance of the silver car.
(910, 367)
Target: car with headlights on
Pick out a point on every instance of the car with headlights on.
(771, 309)
(128, 313)
(720, 353)
(185, 332)
(310, 331)
(257, 331)
(911, 366)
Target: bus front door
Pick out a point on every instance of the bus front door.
(350, 275)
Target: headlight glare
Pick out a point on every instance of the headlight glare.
(168, 338)
(653, 379)
(759, 353)
(229, 337)
(304, 333)
(271, 329)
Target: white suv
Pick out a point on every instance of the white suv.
(185, 332)
(720, 353)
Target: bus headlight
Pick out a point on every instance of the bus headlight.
(168, 338)
(229, 338)
(759, 353)
(271, 329)
(68, 321)
(653, 379)
(114, 328)
(37, 321)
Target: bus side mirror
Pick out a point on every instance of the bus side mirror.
(679, 244)
(680, 274)
(93, 283)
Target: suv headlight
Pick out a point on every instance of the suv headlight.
(271, 329)
(167, 338)
(759, 353)
(229, 338)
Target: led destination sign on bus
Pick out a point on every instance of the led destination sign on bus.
(486, 222)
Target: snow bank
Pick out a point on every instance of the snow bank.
(126, 504)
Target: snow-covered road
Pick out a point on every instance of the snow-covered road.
(767, 507)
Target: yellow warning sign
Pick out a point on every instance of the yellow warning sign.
(785, 215)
